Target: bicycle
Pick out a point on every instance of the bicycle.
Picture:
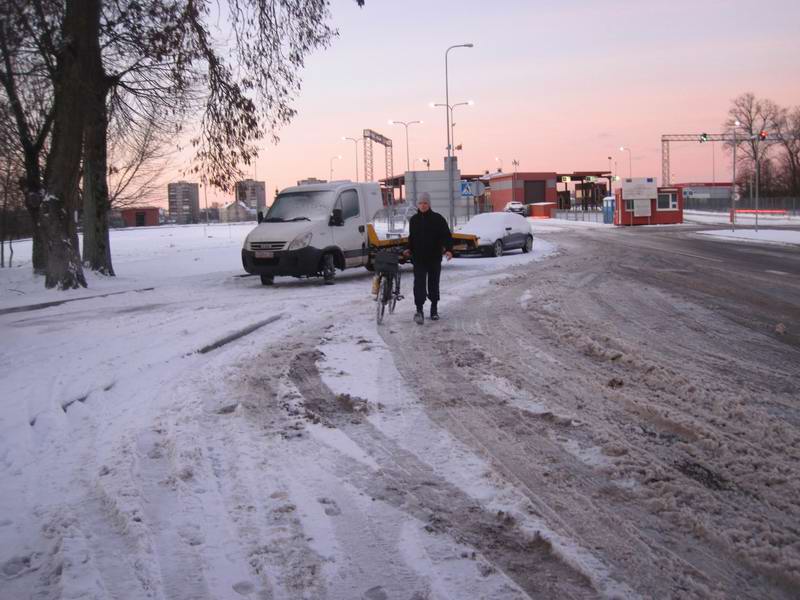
(387, 269)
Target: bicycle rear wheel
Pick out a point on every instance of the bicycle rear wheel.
(381, 304)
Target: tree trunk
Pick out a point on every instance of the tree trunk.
(96, 203)
(62, 173)
(32, 188)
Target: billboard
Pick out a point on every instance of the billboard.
(639, 188)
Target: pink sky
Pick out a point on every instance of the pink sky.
(558, 88)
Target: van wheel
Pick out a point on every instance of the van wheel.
(328, 269)
(267, 279)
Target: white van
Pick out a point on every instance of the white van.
(311, 230)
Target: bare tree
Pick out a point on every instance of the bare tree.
(787, 130)
(157, 51)
(139, 155)
(754, 116)
(28, 35)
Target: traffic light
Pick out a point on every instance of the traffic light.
(762, 135)
(703, 137)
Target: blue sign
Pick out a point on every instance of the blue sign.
(466, 189)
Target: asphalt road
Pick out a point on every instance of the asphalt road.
(639, 390)
(756, 285)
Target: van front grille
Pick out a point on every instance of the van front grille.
(267, 245)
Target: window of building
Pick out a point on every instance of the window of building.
(668, 201)
(628, 205)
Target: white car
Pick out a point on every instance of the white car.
(516, 207)
(499, 231)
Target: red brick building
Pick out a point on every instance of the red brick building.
(140, 216)
(665, 209)
(527, 188)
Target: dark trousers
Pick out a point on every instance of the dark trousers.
(426, 282)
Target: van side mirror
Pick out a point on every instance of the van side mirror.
(336, 218)
(260, 216)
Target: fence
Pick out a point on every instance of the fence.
(789, 204)
(576, 214)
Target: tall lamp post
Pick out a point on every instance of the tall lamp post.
(333, 158)
(610, 178)
(497, 159)
(425, 161)
(451, 109)
(449, 145)
(355, 143)
(736, 125)
(406, 124)
(630, 160)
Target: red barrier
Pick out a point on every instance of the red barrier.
(761, 211)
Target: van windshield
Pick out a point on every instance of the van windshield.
(299, 206)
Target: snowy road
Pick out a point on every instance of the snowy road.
(573, 427)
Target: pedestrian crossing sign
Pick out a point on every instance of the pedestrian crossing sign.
(466, 188)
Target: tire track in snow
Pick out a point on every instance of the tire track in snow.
(412, 486)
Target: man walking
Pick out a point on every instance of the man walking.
(428, 239)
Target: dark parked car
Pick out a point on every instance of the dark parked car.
(499, 231)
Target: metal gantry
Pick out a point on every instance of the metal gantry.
(694, 137)
(371, 136)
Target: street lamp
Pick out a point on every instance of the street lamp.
(451, 108)
(630, 160)
(333, 158)
(449, 145)
(499, 160)
(406, 124)
(355, 141)
(425, 161)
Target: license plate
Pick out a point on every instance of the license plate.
(265, 254)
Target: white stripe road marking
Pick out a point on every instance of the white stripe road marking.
(777, 272)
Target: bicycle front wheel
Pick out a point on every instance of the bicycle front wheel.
(394, 293)
(381, 304)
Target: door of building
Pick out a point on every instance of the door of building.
(534, 192)
(140, 219)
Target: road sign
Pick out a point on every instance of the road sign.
(639, 188)
(466, 190)
(566, 179)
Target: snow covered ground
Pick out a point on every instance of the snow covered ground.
(182, 432)
(136, 463)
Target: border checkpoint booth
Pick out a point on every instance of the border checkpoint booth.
(639, 201)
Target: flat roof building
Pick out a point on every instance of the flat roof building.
(251, 193)
(184, 201)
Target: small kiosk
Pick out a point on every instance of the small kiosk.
(641, 202)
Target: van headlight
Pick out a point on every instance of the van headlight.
(301, 241)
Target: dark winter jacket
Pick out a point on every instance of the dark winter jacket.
(428, 237)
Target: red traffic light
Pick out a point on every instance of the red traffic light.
(762, 135)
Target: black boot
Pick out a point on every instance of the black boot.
(434, 312)
(419, 317)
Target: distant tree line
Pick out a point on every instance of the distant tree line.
(777, 158)
(92, 91)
